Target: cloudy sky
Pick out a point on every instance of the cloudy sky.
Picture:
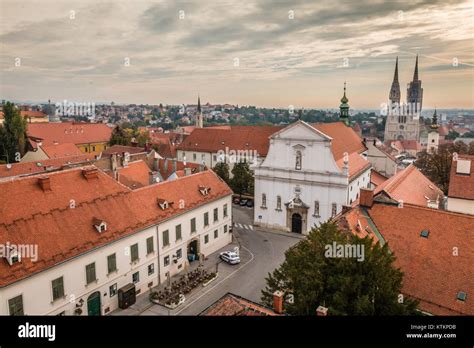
(265, 53)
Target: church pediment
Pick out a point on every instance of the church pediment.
(301, 130)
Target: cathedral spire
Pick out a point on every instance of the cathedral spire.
(199, 119)
(395, 74)
(199, 104)
(344, 108)
(394, 95)
(415, 74)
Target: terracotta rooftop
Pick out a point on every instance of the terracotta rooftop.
(122, 148)
(462, 185)
(236, 137)
(33, 114)
(135, 175)
(376, 178)
(410, 186)
(433, 274)
(28, 168)
(61, 150)
(29, 215)
(357, 164)
(344, 139)
(168, 169)
(164, 147)
(234, 305)
(70, 132)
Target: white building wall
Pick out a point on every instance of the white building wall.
(465, 206)
(37, 291)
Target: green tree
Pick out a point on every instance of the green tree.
(12, 134)
(119, 137)
(345, 285)
(222, 169)
(452, 135)
(242, 178)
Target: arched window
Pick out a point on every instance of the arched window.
(298, 161)
(264, 200)
(278, 203)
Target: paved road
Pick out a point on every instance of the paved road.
(261, 253)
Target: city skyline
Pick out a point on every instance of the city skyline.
(261, 53)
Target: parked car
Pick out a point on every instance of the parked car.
(243, 202)
(250, 203)
(230, 257)
(236, 200)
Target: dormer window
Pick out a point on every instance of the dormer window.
(164, 204)
(100, 225)
(204, 190)
(12, 255)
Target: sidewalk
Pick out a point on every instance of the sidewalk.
(143, 306)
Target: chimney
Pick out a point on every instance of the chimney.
(45, 183)
(278, 302)
(175, 166)
(366, 198)
(321, 311)
(90, 173)
(165, 166)
(187, 171)
(113, 162)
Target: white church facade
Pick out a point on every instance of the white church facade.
(309, 175)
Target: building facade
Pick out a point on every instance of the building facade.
(403, 120)
(93, 249)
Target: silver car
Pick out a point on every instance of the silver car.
(230, 257)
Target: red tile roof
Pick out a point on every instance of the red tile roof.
(461, 185)
(28, 168)
(33, 114)
(376, 178)
(432, 273)
(233, 305)
(122, 148)
(357, 165)
(61, 150)
(164, 147)
(29, 215)
(344, 139)
(70, 132)
(135, 175)
(410, 186)
(236, 138)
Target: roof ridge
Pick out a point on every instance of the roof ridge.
(447, 212)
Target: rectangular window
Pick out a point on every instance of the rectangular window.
(216, 234)
(178, 232)
(134, 252)
(136, 277)
(206, 219)
(15, 305)
(225, 228)
(316, 208)
(264, 201)
(151, 269)
(206, 239)
(193, 225)
(113, 290)
(166, 238)
(179, 253)
(278, 203)
(90, 273)
(111, 263)
(150, 247)
(166, 261)
(334, 209)
(216, 214)
(194, 156)
(58, 288)
(225, 210)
